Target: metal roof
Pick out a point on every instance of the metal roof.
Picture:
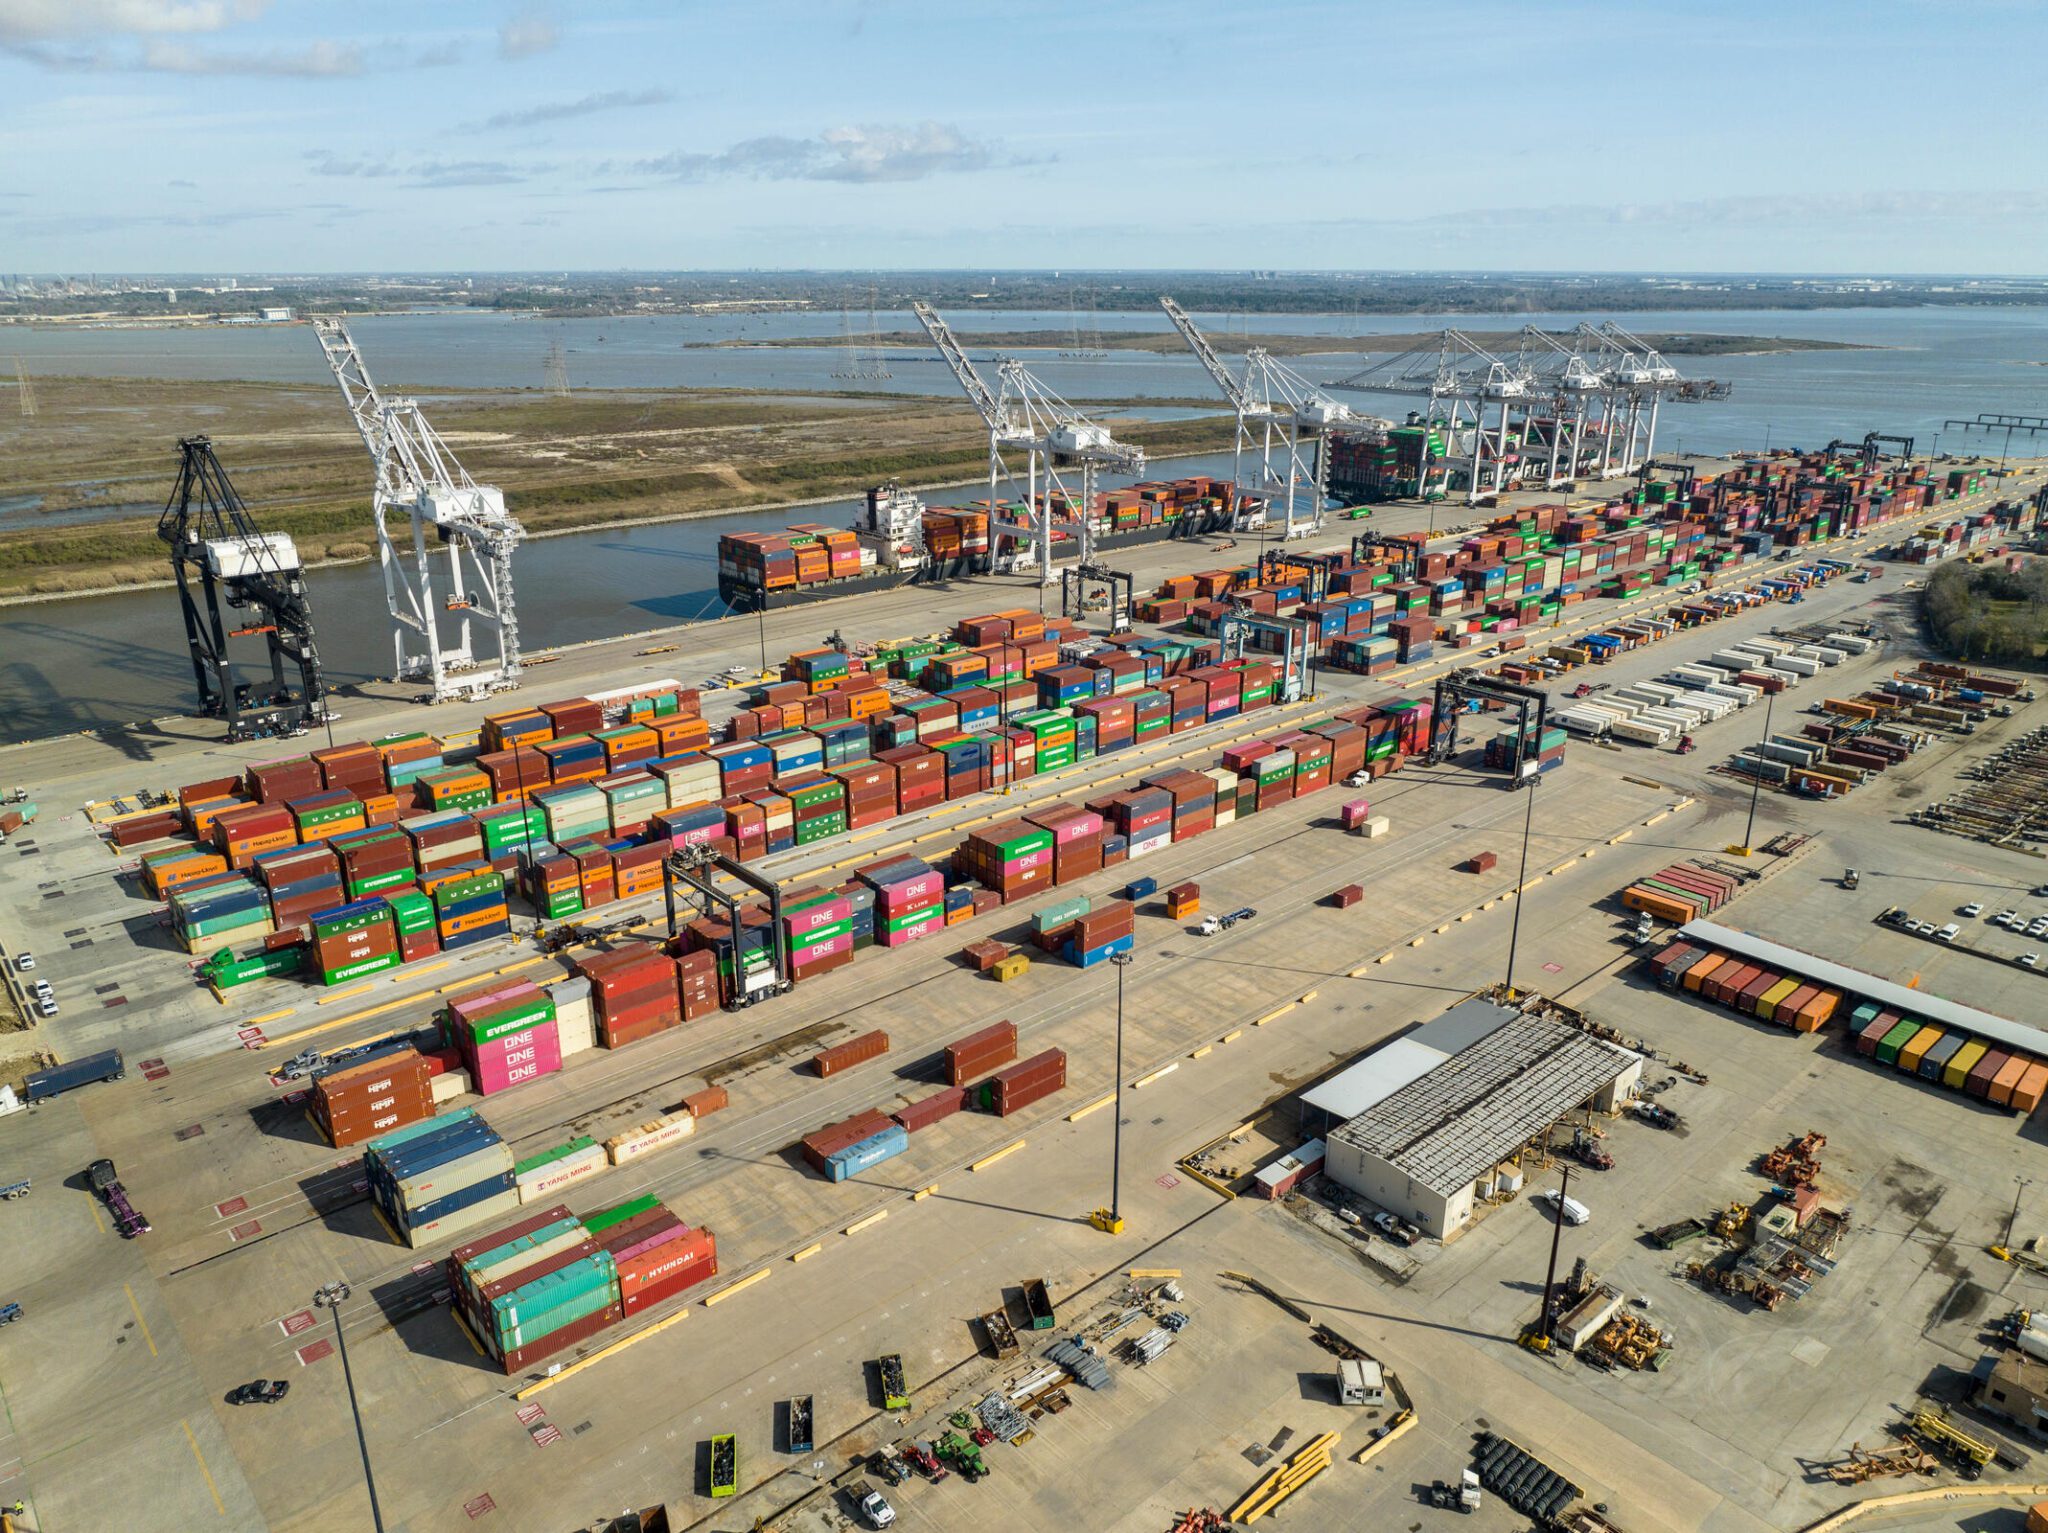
(1886, 993)
(1408, 1058)
(1475, 1109)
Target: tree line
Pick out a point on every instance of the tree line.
(1988, 613)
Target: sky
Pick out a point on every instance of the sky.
(1892, 136)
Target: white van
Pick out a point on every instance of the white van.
(1573, 1210)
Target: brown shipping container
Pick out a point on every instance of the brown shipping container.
(1018, 1097)
(854, 1051)
(926, 1111)
(978, 1053)
(526, 1224)
(700, 1104)
(822, 1144)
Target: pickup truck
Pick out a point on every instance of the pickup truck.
(874, 1507)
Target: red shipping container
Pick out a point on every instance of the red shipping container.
(576, 1331)
(682, 1252)
(700, 1104)
(926, 1111)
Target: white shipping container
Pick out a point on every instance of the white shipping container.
(449, 1085)
(1799, 665)
(656, 1134)
(1641, 733)
(545, 1181)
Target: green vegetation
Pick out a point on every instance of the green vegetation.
(1687, 344)
(1987, 613)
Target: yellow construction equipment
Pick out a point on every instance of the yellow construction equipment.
(1796, 1163)
(1276, 1487)
(1935, 1427)
(1629, 1340)
(1731, 1221)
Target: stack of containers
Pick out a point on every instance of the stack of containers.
(300, 880)
(575, 1022)
(633, 992)
(691, 776)
(514, 774)
(656, 1254)
(1028, 1081)
(278, 782)
(386, 1092)
(405, 758)
(845, 1149)
(506, 1034)
(818, 806)
(978, 1053)
(627, 745)
(1194, 801)
(210, 913)
(443, 840)
(920, 776)
(541, 1176)
(557, 887)
(1145, 816)
(910, 899)
(431, 1180)
(373, 861)
(412, 914)
(631, 800)
(573, 716)
(535, 1289)
(320, 815)
(358, 768)
(460, 787)
(743, 767)
(354, 940)
(471, 908)
(574, 813)
(1013, 858)
(870, 792)
(697, 984)
(573, 758)
(1103, 932)
(1077, 840)
(818, 931)
(165, 870)
(244, 834)
(510, 827)
(636, 870)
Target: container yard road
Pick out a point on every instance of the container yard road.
(115, 1383)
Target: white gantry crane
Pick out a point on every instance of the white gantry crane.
(1023, 414)
(1278, 400)
(434, 633)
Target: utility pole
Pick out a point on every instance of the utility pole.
(2019, 1185)
(1756, 782)
(1556, 1235)
(330, 1297)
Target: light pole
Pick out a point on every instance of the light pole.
(1528, 824)
(1110, 1220)
(761, 613)
(1756, 785)
(2019, 1185)
(331, 1296)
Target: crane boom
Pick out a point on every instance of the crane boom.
(991, 409)
(1234, 389)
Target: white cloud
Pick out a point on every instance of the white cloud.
(34, 20)
(870, 152)
(527, 34)
(321, 60)
(585, 106)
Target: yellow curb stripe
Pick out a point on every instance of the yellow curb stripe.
(924, 1192)
(809, 1250)
(211, 1488)
(1161, 1073)
(137, 1308)
(1202, 1052)
(860, 1224)
(732, 1288)
(989, 1160)
(1081, 1112)
(1232, 1036)
(1274, 1015)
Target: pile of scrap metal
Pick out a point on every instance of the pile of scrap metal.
(1796, 1163)
(1900, 1458)
(1083, 1362)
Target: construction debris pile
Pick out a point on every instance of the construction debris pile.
(1861, 1464)
(1782, 1247)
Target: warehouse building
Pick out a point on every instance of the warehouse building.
(1433, 1123)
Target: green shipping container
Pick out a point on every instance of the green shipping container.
(604, 1219)
(1889, 1045)
(359, 970)
(549, 1157)
(502, 1024)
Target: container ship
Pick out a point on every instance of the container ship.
(900, 541)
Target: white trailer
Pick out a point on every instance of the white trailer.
(1640, 732)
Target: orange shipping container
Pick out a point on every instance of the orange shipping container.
(1814, 1015)
(1697, 974)
(2002, 1084)
(2026, 1096)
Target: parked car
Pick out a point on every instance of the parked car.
(1948, 933)
(260, 1392)
(1394, 1229)
(874, 1506)
(1974, 909)
(2007, 918)
(2030, 960)
(24, 961)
